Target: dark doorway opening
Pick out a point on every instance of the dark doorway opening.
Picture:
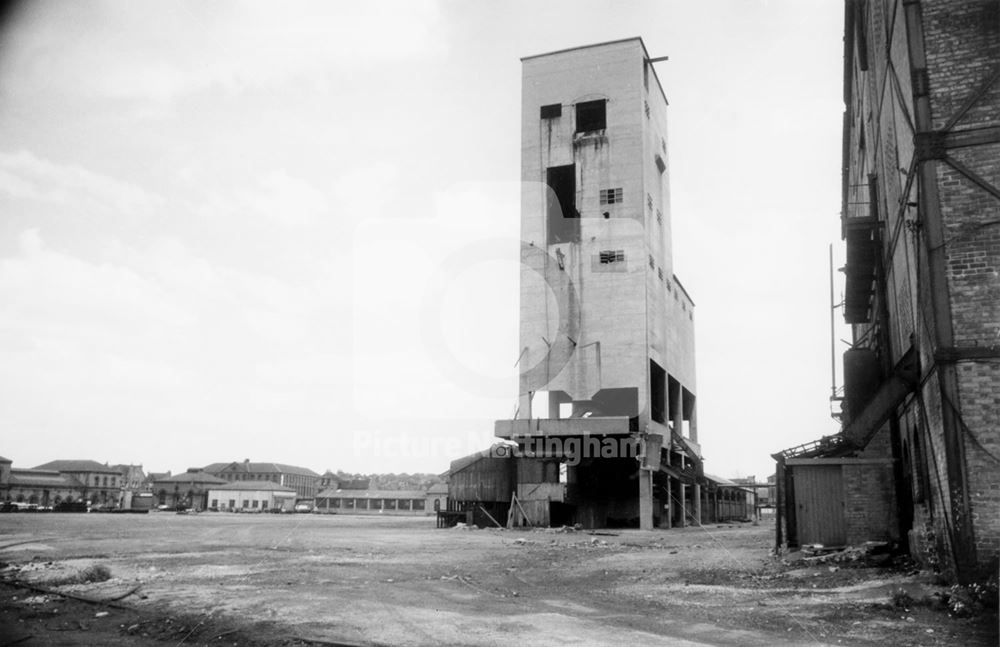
(657, 392)
(560, 209)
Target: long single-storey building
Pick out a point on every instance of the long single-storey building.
(251, 496)
(389, 502)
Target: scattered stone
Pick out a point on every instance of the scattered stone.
(101, 614)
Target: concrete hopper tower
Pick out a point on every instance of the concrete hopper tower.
(606, 424)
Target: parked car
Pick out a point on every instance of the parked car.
(304, 507)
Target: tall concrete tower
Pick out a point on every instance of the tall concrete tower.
(606, 421)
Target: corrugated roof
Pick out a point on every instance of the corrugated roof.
(371, 494)
(438, 488)
(5, 460)
(254, 485)
(76, 466)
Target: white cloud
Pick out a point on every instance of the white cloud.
(25, 176)
(230, 46)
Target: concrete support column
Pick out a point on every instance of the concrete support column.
(668, 510)
(678, 407)
(697, 505)
(645, 499)
(693, 420)
(683, 511)
(683, 497)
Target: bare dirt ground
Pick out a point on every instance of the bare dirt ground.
(229, 579)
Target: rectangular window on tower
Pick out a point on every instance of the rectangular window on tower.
(591, 115)
(552, 111)
(612, 256)
(611, 196)
(609, 260)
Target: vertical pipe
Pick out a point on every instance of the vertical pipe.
(833, 336)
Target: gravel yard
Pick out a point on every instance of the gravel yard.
(217, 578)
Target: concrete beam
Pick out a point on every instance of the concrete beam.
(594, 426)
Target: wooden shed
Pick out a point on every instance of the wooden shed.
(838, 501)
(482, 484)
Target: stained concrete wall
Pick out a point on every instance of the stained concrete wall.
(625, 315)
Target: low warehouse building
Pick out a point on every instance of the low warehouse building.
(187, 490)
(251, 496)
(390, 502)
(725, 500)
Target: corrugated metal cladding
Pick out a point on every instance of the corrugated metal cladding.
(819, 495)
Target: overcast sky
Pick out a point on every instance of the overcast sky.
(288, 231)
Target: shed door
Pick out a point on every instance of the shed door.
(819, 500)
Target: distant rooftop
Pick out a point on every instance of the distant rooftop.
(248, 467)
(41, 478)
(270, 486)
(372, 494)
(191, 477)
(77, 466)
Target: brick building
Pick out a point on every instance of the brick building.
(921, 221)
(37, 487)
(99, 483)
(303, 480)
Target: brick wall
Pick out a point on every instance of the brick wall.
(869, 502)
(961, 40)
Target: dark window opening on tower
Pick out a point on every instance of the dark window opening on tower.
(660, 164)
(657, 393)
(552, 111)
(560, 210)
(591, 115)
(673, 406)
